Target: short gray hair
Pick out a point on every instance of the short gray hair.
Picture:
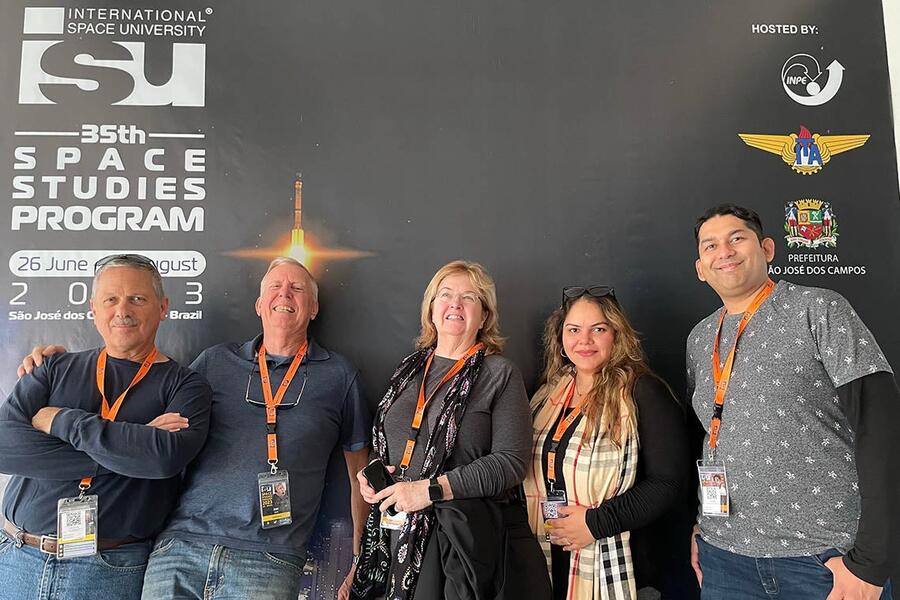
(132, 261)
(287, 260)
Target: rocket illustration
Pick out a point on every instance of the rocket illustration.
(297, 230)
(307, 252)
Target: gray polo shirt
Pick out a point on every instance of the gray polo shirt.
(786, 444)
(220, 502)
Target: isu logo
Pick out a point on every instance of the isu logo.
(112, 72)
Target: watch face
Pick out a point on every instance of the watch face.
(435, 492)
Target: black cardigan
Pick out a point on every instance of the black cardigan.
(482, 549)
(659, 508)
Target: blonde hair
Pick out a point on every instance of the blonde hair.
(489, 334)
(611, 398)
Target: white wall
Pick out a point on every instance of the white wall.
(892, 28)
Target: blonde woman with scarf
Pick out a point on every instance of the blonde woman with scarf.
(609, 451)
(461, 531)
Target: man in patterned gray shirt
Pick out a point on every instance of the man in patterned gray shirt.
(804, 431)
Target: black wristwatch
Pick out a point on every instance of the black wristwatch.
(435, 491)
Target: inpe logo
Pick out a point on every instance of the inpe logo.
(806, 83)
(54, 71)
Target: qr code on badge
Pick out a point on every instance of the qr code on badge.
(73, 519)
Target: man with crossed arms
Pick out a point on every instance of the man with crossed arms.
(78, 423)
(804, 435)
(215, 545)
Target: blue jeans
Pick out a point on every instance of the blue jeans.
(28, 573)
(181, 570)
(729, 576)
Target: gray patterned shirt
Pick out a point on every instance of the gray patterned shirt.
(786, 444)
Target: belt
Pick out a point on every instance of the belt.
(47, 543)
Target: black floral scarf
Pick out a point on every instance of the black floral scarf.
(377, 569)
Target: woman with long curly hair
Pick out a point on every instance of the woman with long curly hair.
(609, 450)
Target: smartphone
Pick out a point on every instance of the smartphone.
(379, 478)
(378, 475)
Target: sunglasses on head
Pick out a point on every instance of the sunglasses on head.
(574, 292)
(132, 258)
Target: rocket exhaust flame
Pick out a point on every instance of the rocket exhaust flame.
(305, 249)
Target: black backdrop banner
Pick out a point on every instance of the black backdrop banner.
(555, 144)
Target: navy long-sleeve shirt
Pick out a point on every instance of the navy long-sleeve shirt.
(136, 468)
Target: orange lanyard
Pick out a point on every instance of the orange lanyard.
(107, 412)
(272, 402)
(561, 428)
(722, 375)
(423, 401)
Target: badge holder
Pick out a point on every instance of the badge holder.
(714, 496)
(394, 522)
(76, 526)
(550, 506)
(274, 498)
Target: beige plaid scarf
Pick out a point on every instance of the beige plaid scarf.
(594, 470)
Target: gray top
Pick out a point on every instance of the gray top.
(785, 442)
(494, 442)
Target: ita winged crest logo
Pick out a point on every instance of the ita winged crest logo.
(806, 153)
(810, 223)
